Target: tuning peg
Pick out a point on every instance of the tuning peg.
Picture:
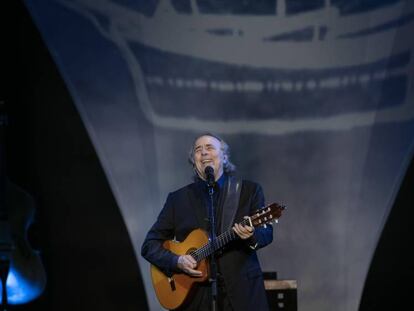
(276, 221)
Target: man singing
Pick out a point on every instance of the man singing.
(240, 283)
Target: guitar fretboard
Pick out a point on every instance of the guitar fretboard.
(221, 240)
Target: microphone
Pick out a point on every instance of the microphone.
(209, 171)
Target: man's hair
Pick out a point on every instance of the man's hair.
(228, 166)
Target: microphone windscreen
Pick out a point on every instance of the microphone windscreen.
(209, 170)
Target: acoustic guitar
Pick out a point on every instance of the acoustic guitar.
(172, 292)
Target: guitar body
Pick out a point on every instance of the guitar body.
(173, 292)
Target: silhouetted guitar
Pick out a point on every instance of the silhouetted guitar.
(20, 265)
(173, 291)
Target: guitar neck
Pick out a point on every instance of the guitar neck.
(220, 241)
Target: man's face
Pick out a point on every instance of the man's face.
(208, 152)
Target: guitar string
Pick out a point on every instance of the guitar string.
(227, 236)
(206, 250)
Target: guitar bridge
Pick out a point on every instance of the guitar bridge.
(172, 283)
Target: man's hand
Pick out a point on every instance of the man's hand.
(188, 264)
(244, 232)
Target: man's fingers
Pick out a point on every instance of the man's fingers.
(249, 229)
(239, 230)
(243, 232)
(191, 261)
(193, 272)
(188, 264)
(243, 229)
(188, 261)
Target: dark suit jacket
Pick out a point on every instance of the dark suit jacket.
(184, 211)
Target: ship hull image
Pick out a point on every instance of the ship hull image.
(327, 67)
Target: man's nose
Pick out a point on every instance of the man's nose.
(204, 151)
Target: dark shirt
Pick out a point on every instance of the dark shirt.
(218, 197)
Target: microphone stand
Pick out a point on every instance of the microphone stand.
(213, 261)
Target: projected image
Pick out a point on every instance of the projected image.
(289, 66)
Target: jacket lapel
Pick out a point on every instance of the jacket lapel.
(198, 205)
(231, 202)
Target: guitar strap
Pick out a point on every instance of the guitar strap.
(231, 202)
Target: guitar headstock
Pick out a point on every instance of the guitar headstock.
(266, 215)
